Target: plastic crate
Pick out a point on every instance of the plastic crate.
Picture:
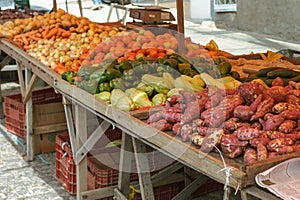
(65, 165)
(15, 110)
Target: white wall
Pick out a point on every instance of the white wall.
(200, 9)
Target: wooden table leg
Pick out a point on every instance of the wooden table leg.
(143, 169)
(125, 164)
(29, 117)
(1, 103)
(81, 137)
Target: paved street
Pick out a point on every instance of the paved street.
(36, 180)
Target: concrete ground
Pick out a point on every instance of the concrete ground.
(36, 180)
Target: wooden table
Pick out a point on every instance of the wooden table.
(136, 134)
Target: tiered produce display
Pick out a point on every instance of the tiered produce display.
(204, 95)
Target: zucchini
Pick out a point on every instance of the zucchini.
(263, 72)
(284, 73)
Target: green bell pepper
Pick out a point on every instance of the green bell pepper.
(68, 76)
(104, 87)
(99, 75)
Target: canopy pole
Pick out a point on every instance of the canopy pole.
(180, 25)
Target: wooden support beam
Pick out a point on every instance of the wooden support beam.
(29, 88)
(81, 136)
(29, 117)
(21, 79)
(5, 61)
(189, 189)
(98, 193)
(257, 192)
(70, 123)
(143, 169)
(125, 164)
(91, 141)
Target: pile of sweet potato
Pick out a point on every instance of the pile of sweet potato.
(252, 121)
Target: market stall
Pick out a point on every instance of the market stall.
(233, 171)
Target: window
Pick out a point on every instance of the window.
(225, 5)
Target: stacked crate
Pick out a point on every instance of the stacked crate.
(100, 175)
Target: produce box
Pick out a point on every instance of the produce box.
(48, 113)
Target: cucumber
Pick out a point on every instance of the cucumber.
(263, 72)
(284, 73)
(296, 79)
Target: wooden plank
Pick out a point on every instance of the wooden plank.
(259, 193)
(143, 169)
(81, 136)
(98, 193)
(91, 141)
(192, 187)
(1, 103)
(70, 123)
(118, 195)
(21, 79)
(125, 164)
(49, 128)
(29, 88)
(5, 61)
(29, 117)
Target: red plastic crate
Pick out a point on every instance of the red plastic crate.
(15, 110)
(209, 186)
(65, 165)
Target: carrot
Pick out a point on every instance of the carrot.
(51, 33)
(46, 31)
(25, 41)
(35, 38)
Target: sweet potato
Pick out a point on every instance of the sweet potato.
(211, 140)
(214, 122)
(272, 123)
(294, 135)
(250, 91)
(155, 117)
(197, 139)
(172, 117)
(268, 116)
(250, 155)
(273, 154)
(274, 134)
(231, 124)
(161, 125)
(260, 140)
(292, 114)
(243, 112)
(287, 126)
(256, 102)
(191, 112)
(176, 128)
(278, 82)
(196, 123)
(185, 131)
(229, 141)
(247, 133)
(256, 125)
(262, 152)
(174, 109)
(236, 152)
(292, 99)
(279, 143)
(294, 92)
(278, 93)
(187, 96)
(202, 130)
(288, 149)
(264, 107)
(282, 106)
(214, 100)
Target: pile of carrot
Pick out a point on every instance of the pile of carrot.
(45, 33)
